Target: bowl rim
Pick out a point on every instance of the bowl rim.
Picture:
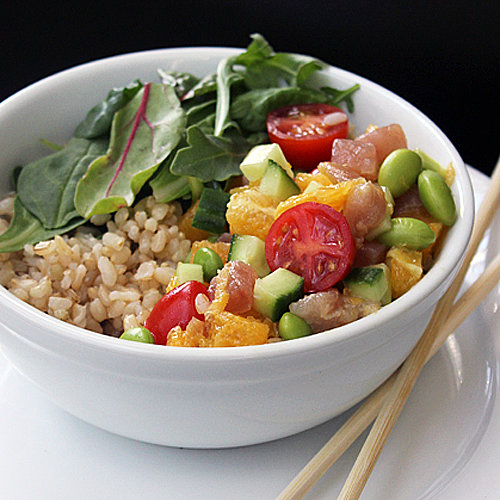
(358, 328)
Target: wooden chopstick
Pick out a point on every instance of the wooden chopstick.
(368, 411)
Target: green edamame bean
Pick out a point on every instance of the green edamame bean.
(292, 326)
(408, 232)
(436, 197)
(209, 261)
(399, 171)
(429, 163)
(138, 334)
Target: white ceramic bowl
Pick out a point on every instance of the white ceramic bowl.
(209, 398)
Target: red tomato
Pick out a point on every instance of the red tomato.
(305, 132)
(314, 241)
(177, 307)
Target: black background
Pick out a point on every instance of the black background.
(443, 57)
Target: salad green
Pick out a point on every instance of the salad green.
(174, 139)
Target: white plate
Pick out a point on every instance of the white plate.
(446, 444)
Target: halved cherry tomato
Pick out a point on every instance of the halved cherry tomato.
(305, 132)
(314, 241)
(177, 307)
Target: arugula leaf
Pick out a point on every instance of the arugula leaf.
(209, 157)
(47, 186)
(143, 134)
(98, 121)
(200, 112)
(26, 229)
(205, 86)
(179, 81)
(265, 69)
(338, 96)
(226, 77)
(258, 50)
(250, 110)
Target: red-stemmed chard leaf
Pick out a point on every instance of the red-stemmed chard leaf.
(143, 134)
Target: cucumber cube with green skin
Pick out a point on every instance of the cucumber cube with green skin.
(313, 186)
(277, 183)
(275, 292)
(255, 163)
(211, 212)
(189, 272)
(251, 250)
(372, 283)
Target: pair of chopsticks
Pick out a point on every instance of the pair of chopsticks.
(385, 404)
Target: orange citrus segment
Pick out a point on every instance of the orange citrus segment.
(303, 179)
(193, 336)
(229, 330)
(406, 269)
(333, 195)
(185, 225)
(250, 212)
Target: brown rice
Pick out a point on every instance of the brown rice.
(105, 283)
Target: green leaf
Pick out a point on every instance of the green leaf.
(98, 121)
(250, 110)
(167, 186)
(226, 77)
(201, 113)
(209, 157)
(257, 51)
(14, 176)
(179, 81)
(205, 86)
(26, 229)
(265, 69)
(143, 134)
(47, 186)
(339, 96)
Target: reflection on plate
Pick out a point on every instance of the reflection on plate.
(437, 450)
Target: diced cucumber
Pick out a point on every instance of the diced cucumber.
(211, 212)
(251, 250)
(274, 293)
(277, 183)
(371, 283)
(312, 186)
(255, 163)
(189, 272)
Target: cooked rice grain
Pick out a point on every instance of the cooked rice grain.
(106, 284)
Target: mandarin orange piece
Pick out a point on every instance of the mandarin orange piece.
(250, 212)
(229, 330)
(186, 225)
(192, 336)
(303, 179)
(333, 195)
(406, 269)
